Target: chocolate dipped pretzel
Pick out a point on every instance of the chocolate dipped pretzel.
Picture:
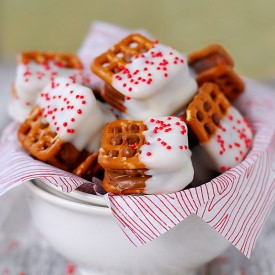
(37, 137)
(144, 78)
(57, 130)
(145, 157)
(209, 57)
(223, 132)
(64, 60)
(214, 64)
(121, 54)
(229, 82)
(34, 71)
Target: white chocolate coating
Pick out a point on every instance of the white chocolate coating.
(18, 110)
(31, 78)
(156, 83)
(166, 155)
(230, 143)
(74, 113)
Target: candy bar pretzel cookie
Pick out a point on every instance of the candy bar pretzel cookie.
(222, 131)
(34, 71)
(149, 157)
(204, 113)
(209, 57)
(224, 76)
(112, 61)
(146, 79)
(37, 137)
(118, 155)
(64, 129)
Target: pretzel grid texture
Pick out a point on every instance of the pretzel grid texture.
(225, 77)
(208, 57)
(110, 62)
(121, 144)
(204, 113)
(61, 59)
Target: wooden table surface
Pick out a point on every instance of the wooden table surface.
(24, 252)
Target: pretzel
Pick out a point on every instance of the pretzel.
(36, 136)
(111, 62)
(204, 113)
(209, 57)
(113, 97)
(121, 142)
(224, 76)
(118, 155)
(61, 59)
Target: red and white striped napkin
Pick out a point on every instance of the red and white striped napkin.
(236, 204)
(17, 166)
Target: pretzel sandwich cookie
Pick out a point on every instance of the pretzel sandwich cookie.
(152, 79)
(34, 71)
(146, 157)
(65, 126)
(223, 132)
(214, 64)
(209, 57)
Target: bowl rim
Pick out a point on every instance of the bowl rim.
(80, 196)
(65, 203)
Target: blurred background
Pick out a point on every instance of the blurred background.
(245, 28)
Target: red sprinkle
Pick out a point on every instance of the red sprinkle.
(148, 154)
(70, 269)
(70, 131)
(79, 111)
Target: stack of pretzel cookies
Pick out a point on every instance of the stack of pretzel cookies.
(142, 129)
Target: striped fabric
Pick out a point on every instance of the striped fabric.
(236, 204)
(16, 166)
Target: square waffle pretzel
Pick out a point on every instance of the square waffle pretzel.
(61, 59)
(110, 62)
(225, 77)
(120, 147)
(208, 57)
(204, 113)
(36, 136)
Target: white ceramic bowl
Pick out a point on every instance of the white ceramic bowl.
(89, 236)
